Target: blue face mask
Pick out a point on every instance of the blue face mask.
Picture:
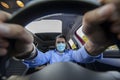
(61, 47)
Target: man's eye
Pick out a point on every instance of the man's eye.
(60, 42)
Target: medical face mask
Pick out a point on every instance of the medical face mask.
(61, 47)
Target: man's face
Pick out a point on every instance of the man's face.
(60, 44)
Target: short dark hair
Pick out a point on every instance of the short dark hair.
(61, 36)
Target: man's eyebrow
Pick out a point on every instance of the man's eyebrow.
(61, 41)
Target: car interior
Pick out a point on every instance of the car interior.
(69, 23)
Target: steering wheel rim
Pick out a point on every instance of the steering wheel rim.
(46, 7)
(68, 71)
(23, 17)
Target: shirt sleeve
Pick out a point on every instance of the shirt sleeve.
(82, 56)
(40, 59)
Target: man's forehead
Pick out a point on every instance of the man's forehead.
(60, 39)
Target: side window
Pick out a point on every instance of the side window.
(72, 44)
(81, 34)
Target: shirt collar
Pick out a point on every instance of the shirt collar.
(65, 51)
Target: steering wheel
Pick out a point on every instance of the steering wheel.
(59, 71)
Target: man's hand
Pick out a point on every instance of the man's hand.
(93, 29)
(23, 39)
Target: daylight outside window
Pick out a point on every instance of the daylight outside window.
(45, 26)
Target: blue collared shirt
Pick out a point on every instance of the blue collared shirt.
(54, 56)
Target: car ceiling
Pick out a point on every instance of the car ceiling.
(12, 5)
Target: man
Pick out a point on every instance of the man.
(61, 54)
(98, 41)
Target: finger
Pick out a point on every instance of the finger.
(3, 51)
(4, 16)
(108, 1)
(118, 36)
(14, 31)
(99, 15)
(115, 28)
(3, 43)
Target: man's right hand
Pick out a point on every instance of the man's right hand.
(98, 40)
(23, 39)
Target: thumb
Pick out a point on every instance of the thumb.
(108, 1)
(4, 16)
(14, 31)
(99, 15)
